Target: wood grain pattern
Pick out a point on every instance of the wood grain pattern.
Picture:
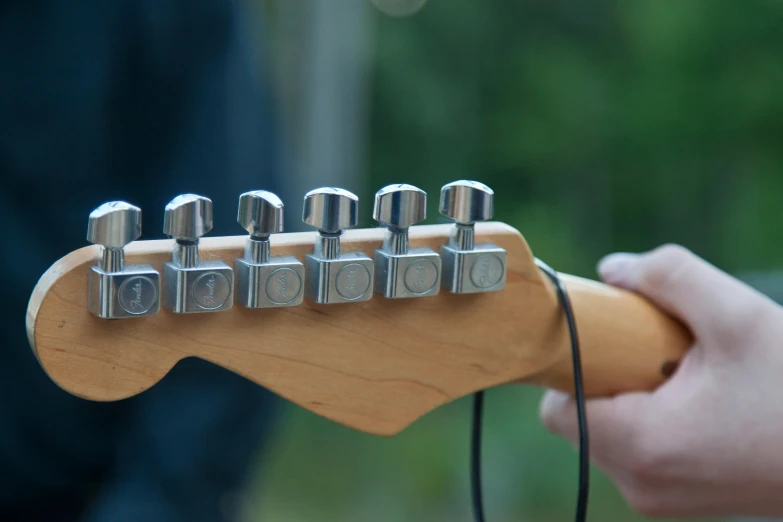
(375, 366)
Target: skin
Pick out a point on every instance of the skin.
(709, 442)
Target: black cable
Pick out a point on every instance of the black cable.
(579, 393)
(581, 414)
(475, 458)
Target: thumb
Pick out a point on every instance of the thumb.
(708, 300)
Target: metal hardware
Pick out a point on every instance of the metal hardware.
(117, 290)
(467, 267)
(402, 271)
(263, 280)
(192, 285)
(334, 276)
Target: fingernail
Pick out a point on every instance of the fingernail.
(615, 269)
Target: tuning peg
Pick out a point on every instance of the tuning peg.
(332, 276)
(265, 281)
(331, 209)
(260, 213)
(188, 217)
(114, 224)
(400, 206)
(467, 201)
(117, 291)
(467, 267)
(192, 285)
(400, 271)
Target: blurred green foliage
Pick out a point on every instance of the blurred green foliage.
(601, 125)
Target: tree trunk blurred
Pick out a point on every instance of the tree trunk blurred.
(321, 67)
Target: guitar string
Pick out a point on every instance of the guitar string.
(579, 395)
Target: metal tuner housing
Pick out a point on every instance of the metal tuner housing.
(333, 276)
(403, 272)
(191, 285)
(468, 267)
(117, 290)
(263, 280)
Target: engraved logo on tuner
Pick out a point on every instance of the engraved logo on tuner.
(352, 281)
(487, 271)
(421, 276)
(283, 286)
(137, 295)
(210, 291)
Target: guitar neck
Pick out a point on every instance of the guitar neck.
(375, 366)
(626, 343)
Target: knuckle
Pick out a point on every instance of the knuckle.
(665, 264)
(670, 254)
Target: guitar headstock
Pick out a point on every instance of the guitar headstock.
(372, 362)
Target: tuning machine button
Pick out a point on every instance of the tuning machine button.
(401, 271)
(190, 284)
(334, 276)
(263, 280)
(468, 267)
(117, 290)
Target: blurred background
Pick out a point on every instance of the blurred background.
(601, 125)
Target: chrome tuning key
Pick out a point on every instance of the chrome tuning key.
(263, 280)
(334, 276)
(190, 284)
(468, 267)
(117, 290)
(402, 271)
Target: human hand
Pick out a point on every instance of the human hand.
(707, 442)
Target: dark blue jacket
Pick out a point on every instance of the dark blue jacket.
(138, 100)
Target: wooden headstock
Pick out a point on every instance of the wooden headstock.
(375, 366)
